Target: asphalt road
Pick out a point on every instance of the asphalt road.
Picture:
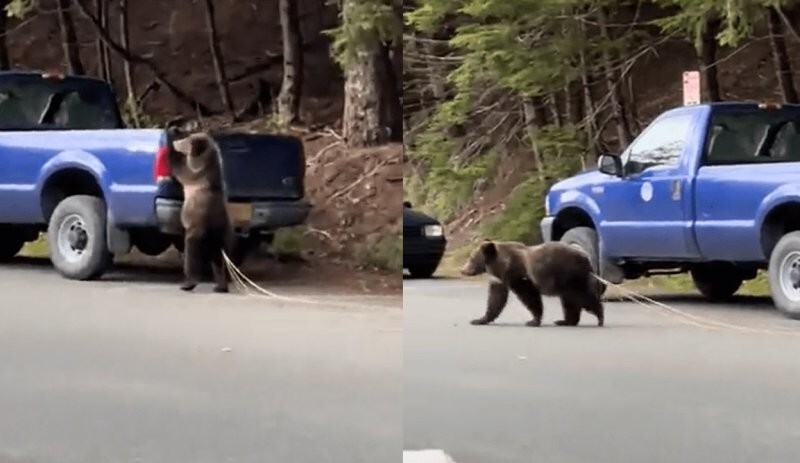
(132, 370)
(645, 388)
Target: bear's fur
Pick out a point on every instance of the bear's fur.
(550, 269)
(196, 163)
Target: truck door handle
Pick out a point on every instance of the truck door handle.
(675, 190)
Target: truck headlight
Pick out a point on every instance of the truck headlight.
(432, 231)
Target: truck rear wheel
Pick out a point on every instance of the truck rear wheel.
(784, 275)
(77, 238)
(717, 281)
(11, 242)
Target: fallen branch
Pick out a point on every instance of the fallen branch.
(358, 181)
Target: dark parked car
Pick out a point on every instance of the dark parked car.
(423, 243)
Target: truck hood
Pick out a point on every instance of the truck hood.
(580, 180)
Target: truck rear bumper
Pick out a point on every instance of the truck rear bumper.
(266, 215)
(546, 227)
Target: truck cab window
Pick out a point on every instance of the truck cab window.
(753, 137)
(661, 144)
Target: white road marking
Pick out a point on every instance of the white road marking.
(426, 456)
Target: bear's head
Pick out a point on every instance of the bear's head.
(202, 153)
(481, 259)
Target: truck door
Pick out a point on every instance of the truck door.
(647, 213)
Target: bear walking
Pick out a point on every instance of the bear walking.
(549, 269)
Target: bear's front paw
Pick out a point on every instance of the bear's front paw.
(561, 323)
(480, 321)
(188, 285)
(534, 323)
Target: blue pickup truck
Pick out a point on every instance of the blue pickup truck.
(711, 189)
(69, 167)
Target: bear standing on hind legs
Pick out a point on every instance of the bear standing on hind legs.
(550, 269)
(196, 163)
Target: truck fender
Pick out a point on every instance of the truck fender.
(579, 200)
(117, 239)
(784, 194)
(75, 160)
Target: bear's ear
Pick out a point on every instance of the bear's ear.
(489, 250)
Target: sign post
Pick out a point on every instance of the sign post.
(691, 88)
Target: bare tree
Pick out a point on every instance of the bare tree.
(216, 56)
(5, 62)
(124, 40)
(615, 90)
(125, 54)
(292, 86)
(69, 38)
(708, 57)
(103, 57)
(783, 68)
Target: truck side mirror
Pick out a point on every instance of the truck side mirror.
(610, 164)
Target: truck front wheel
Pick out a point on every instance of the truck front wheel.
(784, 275)
(585, 239)
(717, 281)
(11, 242)
(77, 238)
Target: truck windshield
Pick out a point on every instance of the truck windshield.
(753, 136)
(31, 102)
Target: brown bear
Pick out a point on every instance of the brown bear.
(550, 269)
(196, 163)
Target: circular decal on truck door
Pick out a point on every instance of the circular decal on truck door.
(646, 191)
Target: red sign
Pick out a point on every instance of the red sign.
(691, 88)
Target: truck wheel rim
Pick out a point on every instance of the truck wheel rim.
(72, 239)
(790, 276)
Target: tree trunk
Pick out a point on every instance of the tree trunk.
(362, 102)
(69, 39)
(362, 119)
(617, 102)
(391, 105)
(5, 62)
(780, 57)
(555, 109)
(708, 57)
(103, 58)
(634, 112)
(124, 40)
(216, 56)
(529, 111)
(292, 86)
(587, 81)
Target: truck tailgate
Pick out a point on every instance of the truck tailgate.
(261, 167)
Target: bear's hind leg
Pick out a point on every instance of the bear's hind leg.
(498, 296)
(216, 246)
(192, 261)
(530, 297)
(595, 306)
(572, 312)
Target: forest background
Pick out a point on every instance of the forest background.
(502, 98)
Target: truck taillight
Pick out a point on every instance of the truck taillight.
(161, 170)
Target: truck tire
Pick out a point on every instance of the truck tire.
(151, 242)
(77, 237)
(422, 271)
(585, 239)
(784, 275)
(11, 242)
(717, 282)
